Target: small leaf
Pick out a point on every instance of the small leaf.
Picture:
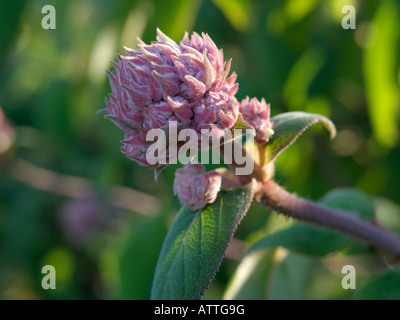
(288, 127)
(241, 129)
(195, 246)
(384, 286)
(243, 124)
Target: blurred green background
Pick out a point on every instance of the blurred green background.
(70, 199)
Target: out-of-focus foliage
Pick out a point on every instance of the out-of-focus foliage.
(294, 53)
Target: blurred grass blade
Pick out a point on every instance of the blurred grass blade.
(173, 17)
(300, 77)
(195, 246)
(238, 12)
(380, 72)
(296, 10)
(288, 127)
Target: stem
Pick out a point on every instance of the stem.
(244, 179)
(277, 199)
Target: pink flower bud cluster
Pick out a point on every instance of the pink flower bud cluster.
(257, 114)
(162, 82)
(195, 187)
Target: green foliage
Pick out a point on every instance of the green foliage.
(186, 265)
(383, 286)
(250, 279)
(380, 61)
(195, 245)
(137, 262)
(304, 238)
(289, 277)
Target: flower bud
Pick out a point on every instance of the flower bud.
(257, 114)
(195, 187)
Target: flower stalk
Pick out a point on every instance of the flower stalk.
(279, 200)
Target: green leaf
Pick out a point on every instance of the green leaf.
(195, 246)
(251, 277)
(290, 277)
(384, 286)
(304, 238)
(316, 241)
(350, 199)
(288, 127)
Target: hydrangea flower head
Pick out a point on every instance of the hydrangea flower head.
(163, 82)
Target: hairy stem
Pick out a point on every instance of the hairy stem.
(277, 199)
